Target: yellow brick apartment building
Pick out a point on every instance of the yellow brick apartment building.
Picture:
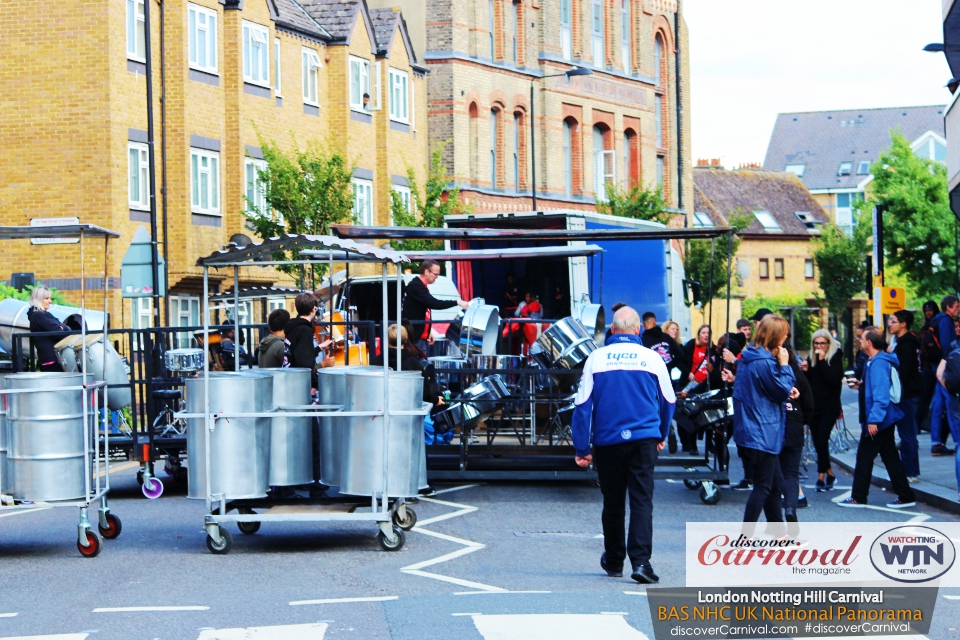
(73, 125)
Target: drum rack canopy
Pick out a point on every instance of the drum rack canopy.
(487, 234)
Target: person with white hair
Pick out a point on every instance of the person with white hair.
(824, 370)
(42, 321)
(626, 402)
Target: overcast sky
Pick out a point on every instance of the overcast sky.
(753, 59)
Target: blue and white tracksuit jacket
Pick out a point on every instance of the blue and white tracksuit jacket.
(625, 394)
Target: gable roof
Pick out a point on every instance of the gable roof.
(721, 193)
(339, 17)
(821, 140)
(289, 14)
(387, 23)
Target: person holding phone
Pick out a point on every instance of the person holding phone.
(824, 372)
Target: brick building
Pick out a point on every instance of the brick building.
(776, 244)
(618, 125)
(73, 135)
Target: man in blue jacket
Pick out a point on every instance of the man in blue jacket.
(626, 401)
(942, 324)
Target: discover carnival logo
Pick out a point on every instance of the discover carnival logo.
(912, 554)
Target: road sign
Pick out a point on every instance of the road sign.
(893, 299)
(53, 222)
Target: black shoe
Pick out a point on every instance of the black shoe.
(821, 485)
(694, 451)
(613, 573)
(790, 515)
(644, 574)
(743, 485)
(941, 450)
(802, 502)
(428, 490)
(831, 480)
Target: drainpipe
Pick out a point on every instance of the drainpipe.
(163, 165)
(676, 42)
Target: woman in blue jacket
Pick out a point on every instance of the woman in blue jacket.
(764, 383)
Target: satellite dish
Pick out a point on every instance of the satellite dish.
(240, 240)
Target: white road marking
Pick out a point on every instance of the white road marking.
(313, 631)
(8, 615)
(555, 627)
(22, 511)
(296, 603)
(128, 609)
(466, 614)
(451, 489)
(486, 593)
(636, 593)
(614, 613)
(952, 597)
(62, 636)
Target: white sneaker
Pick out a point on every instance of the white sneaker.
(913, 479)
(898, 504)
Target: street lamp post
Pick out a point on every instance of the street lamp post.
(576, 71)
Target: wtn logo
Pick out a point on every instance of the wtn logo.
(900, 554)
(912, 554)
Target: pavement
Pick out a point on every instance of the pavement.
(938, 478)
(504, 561)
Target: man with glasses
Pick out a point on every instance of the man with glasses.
(417, 303)
(906, 346)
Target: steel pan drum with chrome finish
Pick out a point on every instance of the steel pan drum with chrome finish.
(565, 345)
(366, 449)
(114, 374)
(332, 389)
(291, 439)
(483, 397)
(480, 327)
(14, 320)
(505, 364)
(66, 355)
(45, 430)
(183, 360)
(239, 447)
(594, 319)
(452, 381)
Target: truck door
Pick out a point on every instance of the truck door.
(579, 278)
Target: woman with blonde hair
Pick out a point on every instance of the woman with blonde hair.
(824, 370)
(42, 321)
(764, 383)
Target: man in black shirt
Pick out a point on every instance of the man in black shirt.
(417, 303)
(301, 348)
(907, 350)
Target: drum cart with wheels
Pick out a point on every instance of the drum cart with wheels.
(390, 512)
(27, 477)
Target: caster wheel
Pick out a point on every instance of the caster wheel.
(180, 476)
(152, 488)
(693, 485)
(672, 442)
(113, 528)
(248, 528)
(226, 541)
(409, 523)
(709, 497)
(386, 545)
(94, 544)
(140, 477)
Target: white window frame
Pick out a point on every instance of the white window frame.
(363, 193)
(359, 68)
(701, 219)
(657, 61)
(399, 92)
(767, 221)
(256, 54)
(493, 28)
(205, 163)
(796, 168)
(141, 313)
(202, 20)
(661, 169)
(596, 37)
(605, 172)
(276, 303)
(277, 74)
(566, 28)
(625, 35)
(658, 119)
(517, 127)
(845, 168)
(567, 159)
(515, 16)
(139, 172)
(310, 61)
(136, 33)
(406, 196)
(254, 189)
(809, 271)
(861, 171)
(185, 312)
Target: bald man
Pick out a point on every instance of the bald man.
(626, 402)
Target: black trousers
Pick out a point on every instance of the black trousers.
(624, 468)
(790, 470)
(883, 444)
(929, 376)
(767, 487)
(821, 425)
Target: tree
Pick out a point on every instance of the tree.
(637, 203)
(917, 223)
(696, 260)
(9, 292)
(841, 261)
(306, 190)
(429, 207)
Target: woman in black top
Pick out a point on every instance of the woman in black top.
(824, 370)
(42, 321)
(799, 412)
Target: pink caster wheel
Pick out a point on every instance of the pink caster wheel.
(152, 488)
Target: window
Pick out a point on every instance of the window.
(493, 22)
(255, 189)
(767, 221)
(808, 268)
(566, 29)
(363, 201)
(276, 303)
(931, 149)
(516, 31)
(185, 312)
(660, 171)
(141, 315)
(255, 68)
(244, 312)
(204, 181)
(604, 167)
(764, 269)
(939, 151)
(517, 131)
(136, 43)
(139, 172)
(494, 125)
(796, 169)
(596, 32)
(844, 211)
(404, 194)
(778, 268)
(863, 168)
(628, 177)
(202, 26)
(474, 143)
(701, 219)
(568, 158)
(845, 168)
(658, 113)
(625, 34)
(657, 60)
(807, 220)
(399, 96)
(359, 83)
(276, 67)
(311, 64)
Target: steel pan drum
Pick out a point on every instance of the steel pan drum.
(485, 395)
(480, 326)
(291, 439)
(366, 448)
(423, 455)
(332, 390)
(45, 433)
(506, 364)
(183, 360)
(114, 373)
(565, 345)
(66, 355)
(13, 319)
(239, 447)
(452, 381)
(594, 319)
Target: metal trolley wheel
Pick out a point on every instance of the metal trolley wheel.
(693, 485)
(223, 547)
(385, 544)
(94, 545)
(709, 494)
(409, 522)
(248, 528)
(113, 528)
